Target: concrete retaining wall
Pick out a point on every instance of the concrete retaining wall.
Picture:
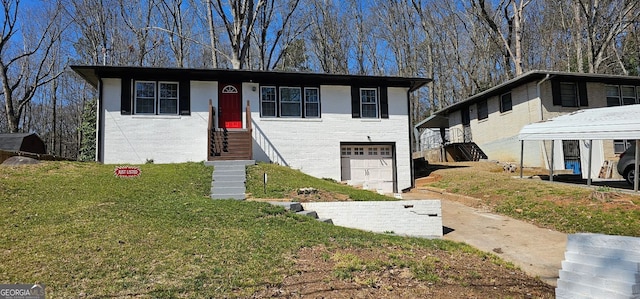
(418, 218)
(600, 266)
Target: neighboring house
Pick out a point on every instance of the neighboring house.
(493, 118)
(22, 142)
(348, 128)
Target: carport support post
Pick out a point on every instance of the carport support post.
(589, 166)
(521, 156)
(553, 143)
(635, 169)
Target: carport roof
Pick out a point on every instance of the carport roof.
(621, 122)
(433, 121)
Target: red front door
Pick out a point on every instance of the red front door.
(229, 106)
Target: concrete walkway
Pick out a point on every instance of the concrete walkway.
(537, 251)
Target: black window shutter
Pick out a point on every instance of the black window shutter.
(355, 102)
(555, 92)
(384, 102)
(582, 93)
(126, 100)
(185, 96)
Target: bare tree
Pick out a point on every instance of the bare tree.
(24, 61)
(329, 36)
(275, 31)
(513, 13)
(175, 24)
(137, 16)
(605, 20)
(239, 18)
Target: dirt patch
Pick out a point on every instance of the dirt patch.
(392, 272)
(490, 177)
(317, 196)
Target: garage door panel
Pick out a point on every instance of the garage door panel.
(368, 166)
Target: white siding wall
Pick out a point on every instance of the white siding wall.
(313, 145)
(163, 139)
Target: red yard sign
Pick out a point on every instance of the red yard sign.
(127, 171)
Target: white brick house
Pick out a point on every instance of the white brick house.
(348, 128)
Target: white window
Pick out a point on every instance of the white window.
(369, 102)
(358, 151)
(290, 102)
(168, 98)
(287, 101)
(311, 102)
(268, 100)
(373, 151)
(385, 151)
(153, 97)
(346, 151)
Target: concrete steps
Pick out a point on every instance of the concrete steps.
(228, 179)
(297, 208)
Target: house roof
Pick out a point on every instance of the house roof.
(538, 75)
(620, 122)
(92, 74)
(433, 121)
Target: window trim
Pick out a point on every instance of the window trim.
(281, 101)
(302, 103)
(317, 103)
(135, 97)
(376, 104)
(275, 101)
(156, 97)
(177, 99)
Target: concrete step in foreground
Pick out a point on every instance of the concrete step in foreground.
(297, 208)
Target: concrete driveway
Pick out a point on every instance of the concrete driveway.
(537, 251)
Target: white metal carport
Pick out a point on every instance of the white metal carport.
(620, 122)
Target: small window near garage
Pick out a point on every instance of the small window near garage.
(358, 151)
(369, 102)
(505, 102)
(311, 102)
(268, 101)
(385, 151)
(346, 151)
(373, 151)
(483, 110)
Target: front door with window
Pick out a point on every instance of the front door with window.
(229, 106)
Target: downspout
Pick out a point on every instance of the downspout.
(99, 124)
(545, 156)
(411, 142)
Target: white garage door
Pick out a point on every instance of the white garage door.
(368, 166)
